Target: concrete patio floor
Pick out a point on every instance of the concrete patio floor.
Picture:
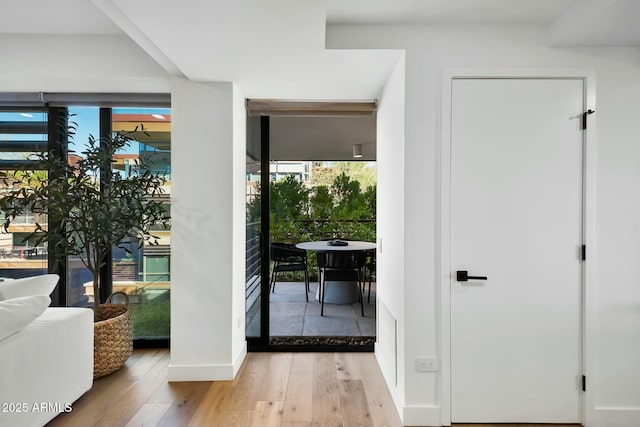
(291, 315)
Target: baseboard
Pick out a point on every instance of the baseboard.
(237, 361)
(409, 415)
(219, 372)
(603, 417)
(421, 416)
(615, 417)
(200, 372)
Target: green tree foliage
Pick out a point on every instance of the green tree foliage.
(363, 172)
(339, 210)
(289, 202)
(348, 199)
(254, 206)
(321, 203)
(289, 199)
(369, 197)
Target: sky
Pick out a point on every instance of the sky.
(88, 121)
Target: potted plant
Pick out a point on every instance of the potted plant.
(91, 208)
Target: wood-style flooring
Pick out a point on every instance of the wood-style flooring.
(271, 389)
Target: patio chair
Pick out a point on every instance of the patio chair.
(286, 258)
(341, 266)
(370, 267)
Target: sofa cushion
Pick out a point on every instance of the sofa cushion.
(43, 284)
(16, 313)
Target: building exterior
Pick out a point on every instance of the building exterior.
(301, 170)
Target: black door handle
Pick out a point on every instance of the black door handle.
(463, 276)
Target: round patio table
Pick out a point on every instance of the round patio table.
(324, 246)
(344, 292)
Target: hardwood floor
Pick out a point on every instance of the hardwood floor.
(271, 389)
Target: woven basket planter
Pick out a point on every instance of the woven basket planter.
(112, 340)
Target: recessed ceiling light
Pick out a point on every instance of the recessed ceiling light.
(158, 116)
(26, 115)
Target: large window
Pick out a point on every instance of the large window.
(79, 278)
(142, 271)
(23, 131)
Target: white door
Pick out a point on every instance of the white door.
(516, 206)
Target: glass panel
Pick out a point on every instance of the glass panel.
(18, 256)
(143, 272)
(253, 250)
(338, 201)
(79, 278)
(22, 133)
(253, 262)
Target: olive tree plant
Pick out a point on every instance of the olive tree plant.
(91, 207)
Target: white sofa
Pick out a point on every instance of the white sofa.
(45, 366)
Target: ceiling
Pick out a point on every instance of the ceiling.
(445, 11)
(321, 138)
(202, 40)
(603, 22)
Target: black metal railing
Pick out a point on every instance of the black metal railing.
(253, 267)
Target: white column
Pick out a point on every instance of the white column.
(207, 339)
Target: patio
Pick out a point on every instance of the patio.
(292, 316)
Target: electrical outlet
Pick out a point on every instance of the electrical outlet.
(426, 364)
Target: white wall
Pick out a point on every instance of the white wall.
(59, 63)
(238, 200)
(390, 231)
(204, 264)
(429, 51)
(208, 146)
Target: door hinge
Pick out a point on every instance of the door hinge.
(584, 383)
(584, 252)
(584, 118)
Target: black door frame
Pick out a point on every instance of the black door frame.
(263, 342)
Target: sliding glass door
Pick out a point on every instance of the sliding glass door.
(257, 232)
